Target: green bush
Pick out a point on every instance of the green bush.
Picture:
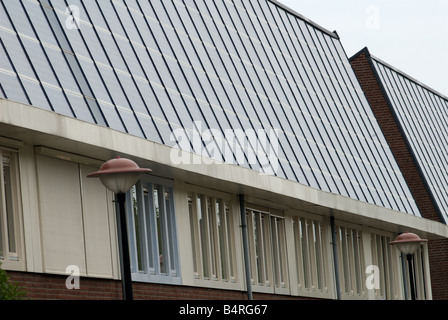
(9, 290)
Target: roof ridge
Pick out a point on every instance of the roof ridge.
(307, 20)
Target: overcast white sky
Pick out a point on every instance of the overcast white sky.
(410, 35)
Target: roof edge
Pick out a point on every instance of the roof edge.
(298, 15)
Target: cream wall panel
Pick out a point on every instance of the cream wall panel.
(183, 233)
(30, 205)
(96, 225)
(61, 215)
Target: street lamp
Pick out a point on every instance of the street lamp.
(408, 243)
(119, 175)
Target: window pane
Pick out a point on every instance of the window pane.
(202, 217)
(220, 220)
(212, 238)
(170, 229)
(8, 249)
(230, 244)
(351, 257)
(160, 225)
(137, 224)
(276, 252)
(155, 248)
(193, 234)
(9, 207)
(257, 244)
(149, 228)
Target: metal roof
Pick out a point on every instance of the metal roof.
(193, 74)
(422, 115)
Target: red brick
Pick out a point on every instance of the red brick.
(52, 287)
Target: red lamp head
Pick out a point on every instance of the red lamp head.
(119, 174)
(408, 242)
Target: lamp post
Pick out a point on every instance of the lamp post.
(408, 244)
(119, 175)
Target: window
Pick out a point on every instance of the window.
(351, 262)
(311, 255)
(420, 277)
(10, 245)
(212, 235)
(153, 237)
(267, 248)
(384, 257)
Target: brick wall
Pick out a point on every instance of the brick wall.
(438, 260)
(52, 287)
(438, 249)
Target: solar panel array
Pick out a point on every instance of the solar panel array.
(245, 82)
(423, 117)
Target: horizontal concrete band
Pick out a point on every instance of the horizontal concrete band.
(21, 123)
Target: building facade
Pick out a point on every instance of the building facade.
(413, 119)
(244, 110)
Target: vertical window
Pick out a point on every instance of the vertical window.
(311, 256)
(385, 259)
(9, 209)
(153, 238)
(419, 277)
(351, 261)
(212, 236)
(267, 247)
(278, 251)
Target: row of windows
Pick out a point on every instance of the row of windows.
(215, 233)
(288, 253)
(9, 208)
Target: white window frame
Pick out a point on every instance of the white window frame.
(386, 259)
(312, 258)
(266, 230)
(155, 234)
(351, 258)
(11, 207)
(212, 241)
(422, 284)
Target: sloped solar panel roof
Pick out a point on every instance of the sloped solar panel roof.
(192, 74)
(422, 114)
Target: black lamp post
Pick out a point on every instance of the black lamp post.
(119, 175)
(408, 244)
